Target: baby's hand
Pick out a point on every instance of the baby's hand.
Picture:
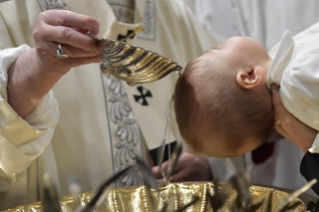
(296, 131)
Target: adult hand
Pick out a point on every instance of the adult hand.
(189, 168)
(69, 29)
(296, 131)
(36, 71)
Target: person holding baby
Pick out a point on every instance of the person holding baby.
(230, 108)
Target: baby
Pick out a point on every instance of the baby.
(222, 100)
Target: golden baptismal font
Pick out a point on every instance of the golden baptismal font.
(235, 195)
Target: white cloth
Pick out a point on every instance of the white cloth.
(296, 69)
(23, 140)
(97, 132)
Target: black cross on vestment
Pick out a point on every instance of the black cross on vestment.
(144, 94)
(129, 35)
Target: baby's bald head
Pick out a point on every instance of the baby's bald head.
(215, 115)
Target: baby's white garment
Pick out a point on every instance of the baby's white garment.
(296, 69)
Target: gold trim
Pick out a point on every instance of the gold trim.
(175, 194)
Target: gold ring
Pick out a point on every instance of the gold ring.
(60, 53)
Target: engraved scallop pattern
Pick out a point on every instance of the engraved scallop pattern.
(134, 64)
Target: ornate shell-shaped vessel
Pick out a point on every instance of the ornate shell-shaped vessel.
(133, 64)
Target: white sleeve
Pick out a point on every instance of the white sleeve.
(23, 140)
(299, 92)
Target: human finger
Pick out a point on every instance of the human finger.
(157, 171)
(76, 52)
(179, 176)
(183, 161)
(75, 62)
(70, 19)
(81, 31)
(69, 36)
(51, 49)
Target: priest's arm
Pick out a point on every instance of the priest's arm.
(29, 112)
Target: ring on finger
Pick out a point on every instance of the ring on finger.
(60, 54)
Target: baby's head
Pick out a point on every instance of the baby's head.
(222, 103)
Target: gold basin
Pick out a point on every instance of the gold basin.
(177, 194)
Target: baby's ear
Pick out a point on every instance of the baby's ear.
(250, 78)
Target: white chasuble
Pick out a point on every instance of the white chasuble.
(96, 135)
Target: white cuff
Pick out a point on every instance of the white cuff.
(23, 140)
(315, 145)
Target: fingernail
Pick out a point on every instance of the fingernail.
(273, 88)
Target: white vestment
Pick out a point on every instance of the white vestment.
(295, 68)
(97, 131)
